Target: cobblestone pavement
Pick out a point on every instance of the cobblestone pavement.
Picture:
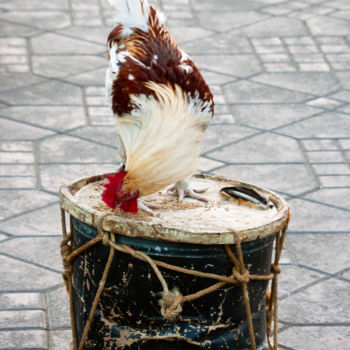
(280, 73)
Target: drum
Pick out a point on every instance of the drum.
(193, 276)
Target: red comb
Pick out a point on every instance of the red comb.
(112, 188)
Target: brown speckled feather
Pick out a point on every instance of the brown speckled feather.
(151, 56)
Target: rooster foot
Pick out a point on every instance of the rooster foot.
(147, 207)
(183, 190)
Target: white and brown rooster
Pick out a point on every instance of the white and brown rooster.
(162, 105)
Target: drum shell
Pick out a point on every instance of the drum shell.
(129, 302)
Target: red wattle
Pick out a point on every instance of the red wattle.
(112, 188)
(129, 206)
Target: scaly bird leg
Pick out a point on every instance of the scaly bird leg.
(146, 207)
(183, 190)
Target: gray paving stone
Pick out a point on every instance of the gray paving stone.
(63, 66)
(226, 43)
(324, 25)
(312, 338)
(16, 130)
(270, 116)
(91, 77)
(344, 78)
(216, 78)
(40, 222)
(341, 14)
(271, 2)
(38, 19)
(225, 5)
(226, 118)
(23, 182)
(325, 157)
(206, 165)
(193, 35)
(219, 135)
(279, 67)
(18, 30)
(59, 340)
(324, 102)
(248, 92)
(59, 314)
(23, 339)
(19, 276)
(287, 178)
(261, 148)
(317, 250)
(332, 169)
(66, 148)
(346, 275)
(55, 175)
(313, 67)
(274, 27)
(16, 157)
(345, 144)
(34, 4)
(16, 146)
(335, 181)
(317, 304)
(22, 318)
(326, 125)
(293, 278)
(43, 44)
(235, 65)
(30, 249)
(53, 93)
(21, 301)
(208, 21)
(105, 135)
(53, 117)
(318, 83)
(10, 81)
(313, 217)
(320, 144)
(96, 35)
(20, 201)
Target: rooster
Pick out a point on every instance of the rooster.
(162, 107)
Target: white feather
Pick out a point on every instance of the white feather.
(161, 139)
(131, 14)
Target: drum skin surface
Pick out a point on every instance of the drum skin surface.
(128, 314)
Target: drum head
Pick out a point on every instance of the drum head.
(192, 221)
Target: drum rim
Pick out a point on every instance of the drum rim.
(142, 229)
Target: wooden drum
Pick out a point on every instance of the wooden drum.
(194, 276)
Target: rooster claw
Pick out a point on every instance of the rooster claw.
(147, 207)
(183, 190)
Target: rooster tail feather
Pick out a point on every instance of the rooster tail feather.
(131, 13)
(161, 139)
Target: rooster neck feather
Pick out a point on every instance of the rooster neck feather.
(161, 139)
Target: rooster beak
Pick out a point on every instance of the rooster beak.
(121, 167)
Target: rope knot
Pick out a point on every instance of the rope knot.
(66, 248)
(241, 277)
(275, 268)
(171, 304)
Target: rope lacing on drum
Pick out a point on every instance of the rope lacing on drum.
(171, 301)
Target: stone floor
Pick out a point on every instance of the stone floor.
(280, 73)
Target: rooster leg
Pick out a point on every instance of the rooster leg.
(147, 207)
(183, 190)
